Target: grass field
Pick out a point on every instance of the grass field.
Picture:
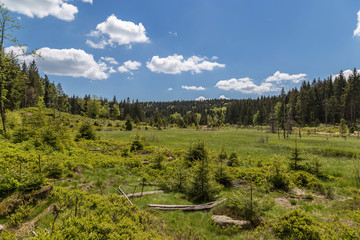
(242, 141)
(337, 156)
(325, 187)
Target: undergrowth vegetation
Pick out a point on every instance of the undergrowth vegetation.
(60, 176)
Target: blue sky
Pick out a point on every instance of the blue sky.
(160, 50)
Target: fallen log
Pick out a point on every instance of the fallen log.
(201, 207)
(225, 221)
(139, 194)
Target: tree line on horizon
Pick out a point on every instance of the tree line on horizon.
(320, 101)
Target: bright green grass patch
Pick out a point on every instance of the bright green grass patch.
(242, 141)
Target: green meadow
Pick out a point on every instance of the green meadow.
(71, 168)
(337, 158)
(337, 154)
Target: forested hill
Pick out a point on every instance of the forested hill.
(320, 101)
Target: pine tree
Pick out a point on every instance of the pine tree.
(343, 127)
(295, 158)
(7, 25)
(128, 124)
(202, 188)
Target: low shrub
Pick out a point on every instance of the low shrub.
(31, 183)
(250, 206)
(223, 177)
(297, 224)
(133, 163)
(49, 137)
(158, 161)
(137, 144)
(54, 170)
(280, 182)
(307, 180)
(86, 131)
(196, 152)
(8, 185)
(233, 160)
(19, 216)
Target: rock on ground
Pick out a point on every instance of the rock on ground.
(223, 220)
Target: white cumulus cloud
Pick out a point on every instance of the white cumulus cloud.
(100, 45)
(222, 97)
(170, 89)
(245, 85)
(357, 30)
(19, 52)
(88, 1)
(109, 60)
(112, 70)
(193, 88)
(129, 66)
(117, 32)
(279, 77)
(67, 62)
(347, 73)
(176, 64)
(201, 98)
(43, 8)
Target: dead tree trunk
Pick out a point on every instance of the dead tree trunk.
(201, 207)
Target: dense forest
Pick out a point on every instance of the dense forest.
(320, 101)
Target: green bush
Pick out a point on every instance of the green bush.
(222, 156)
(298, 225)
(309, 196)
(22, 134)
(54, 170)
(158, 161)
(19, 216)
(233, 160)
(50, 138)
(307, 180)
(125, 152)
(280, 182)
(136, 145)
(222, 177)
(175, 177)
(250, 205)
(133, 163)
(31, 183)
(196, 152)
(128, 124)
(86, 131)
(7, 185)
(92, 216)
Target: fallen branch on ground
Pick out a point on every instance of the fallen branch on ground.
(134, 195)
(201, 207)
(121, 192)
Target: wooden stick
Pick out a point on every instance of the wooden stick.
(125, 196)
(134, 195)
(206, 206)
